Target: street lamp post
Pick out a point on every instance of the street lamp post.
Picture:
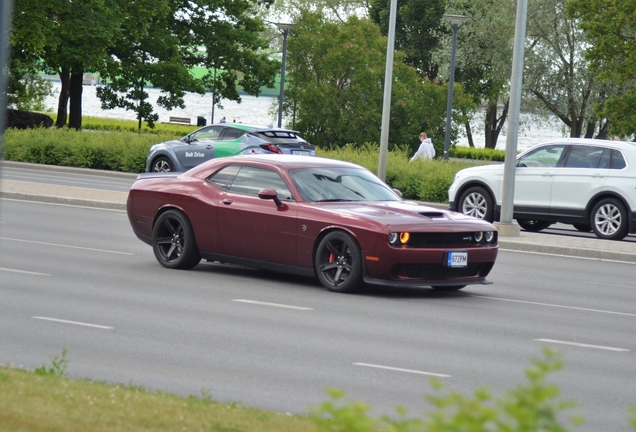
(213, 96)
(284, 28)
(456, 22)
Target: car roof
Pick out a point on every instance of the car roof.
(591, 141)
(286, 162)
(253, 128)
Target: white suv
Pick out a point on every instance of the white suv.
(588, 183)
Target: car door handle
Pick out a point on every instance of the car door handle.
(209, 146)
(227, 201)
(548, 174)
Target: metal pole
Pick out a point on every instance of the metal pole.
(386, 103)
(282, 80)
(213, 97)
(451, 85)
(506, 227)
(6, 10)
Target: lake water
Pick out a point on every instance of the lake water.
(263, 110)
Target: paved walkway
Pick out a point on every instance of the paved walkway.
(531, 242)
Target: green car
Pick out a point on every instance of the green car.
(219, 140)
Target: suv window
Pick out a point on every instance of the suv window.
(547, 156)
(232, 133)
(251, 180)
(584, 157)
(617, 161)
(209, 133)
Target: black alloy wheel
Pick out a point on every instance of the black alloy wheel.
(476, 202)
(173, 241)
(609, 219)
(162, 164)
(533, 225)
(338, 262)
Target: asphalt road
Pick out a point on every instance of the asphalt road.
(77, 278)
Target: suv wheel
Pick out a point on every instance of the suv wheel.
(161, 164)
(609, 219)
(476, 202)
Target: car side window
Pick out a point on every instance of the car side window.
(584, 157)
(617, 160)
(547, 156)
(232, 133)
(209, 133)
(251, 180)
(224, 177)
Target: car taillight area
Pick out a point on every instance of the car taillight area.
(271, 148)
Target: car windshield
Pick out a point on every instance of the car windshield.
(340, 184)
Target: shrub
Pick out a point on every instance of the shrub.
(534, 406)
(108, 150)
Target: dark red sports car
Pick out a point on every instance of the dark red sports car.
(308, 216)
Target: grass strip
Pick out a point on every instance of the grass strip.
(34, 403)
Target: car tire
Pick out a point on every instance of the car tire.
(582, 227)
(533, 225)
(173, 241)
(162, 164)
(338, 262)
(477, 202)
(609, 219)
(448, 288)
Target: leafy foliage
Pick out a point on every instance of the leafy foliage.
(534, 406)
(609, 27)
(418, 31)
(336, 75)
(58, 366)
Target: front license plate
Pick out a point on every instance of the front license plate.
(300, 153)
(457, 259)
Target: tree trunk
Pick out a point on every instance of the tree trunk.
(62, 102)
(75, 117)
(494, 124)
(469, 134)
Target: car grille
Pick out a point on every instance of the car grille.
(445, 239)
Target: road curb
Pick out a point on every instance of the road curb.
(72, 170)
(566, 251)
(109, 205)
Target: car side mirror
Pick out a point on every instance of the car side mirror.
(397, 192)
(270, 194)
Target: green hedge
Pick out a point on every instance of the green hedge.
(115, 151)
(126, 151)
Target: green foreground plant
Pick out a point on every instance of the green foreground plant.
(58, 368)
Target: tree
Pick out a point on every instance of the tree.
(67, 38)
(418, 31)
(610, 47)
(558, 75)
(336, 75)
(161, 44)
(484, 62)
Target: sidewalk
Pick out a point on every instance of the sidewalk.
(530, 242)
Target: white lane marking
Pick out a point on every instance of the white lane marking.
(555, 305)
(62, 205)
(568, 256)
(606, 284)
(272, 304)
(66, 246)
(73, 322)
(582, 345)
(23, 272)
(403, 370)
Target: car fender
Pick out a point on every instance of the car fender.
(471, 183)
(167, 151)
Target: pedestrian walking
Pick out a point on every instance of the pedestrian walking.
(426, 150)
